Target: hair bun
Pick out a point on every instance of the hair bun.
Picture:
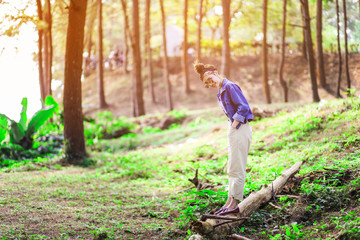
(199, 67)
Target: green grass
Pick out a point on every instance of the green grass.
(139, 187)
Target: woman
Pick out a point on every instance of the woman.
(236, 108)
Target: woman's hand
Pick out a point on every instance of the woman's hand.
(234, 124)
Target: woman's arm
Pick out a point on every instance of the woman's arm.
(239, 101)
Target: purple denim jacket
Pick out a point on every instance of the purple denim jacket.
(234, 102)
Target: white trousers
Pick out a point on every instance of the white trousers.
(239, 144)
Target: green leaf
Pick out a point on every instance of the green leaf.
(295, 228)
(50, 101)
(39, 119)
(16, 132)
(3, 127)
(288, 232)
(23, 118)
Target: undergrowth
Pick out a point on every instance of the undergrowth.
(144, 176)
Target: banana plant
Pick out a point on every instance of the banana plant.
(22, 132)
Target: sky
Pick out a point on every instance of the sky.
(18, 70)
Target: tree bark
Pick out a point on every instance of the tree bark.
(126, 36)
(185, 48)
(303, 49)
(73, 116)
(281, 79)
(165, 59)
(339, 49)
(347, 74)
(226, 58)
(247, 206)
(265, 55)
(100, 70)
(320, 55)
(137, 80)
(48, 48)
(40, 53)
(310, 51)
(92, 8)
(148, 50)
(199, 23)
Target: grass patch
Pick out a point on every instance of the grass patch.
(139, 187)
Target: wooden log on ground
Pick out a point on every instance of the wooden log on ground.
(214, 228)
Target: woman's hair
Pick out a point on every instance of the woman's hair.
(202, 68)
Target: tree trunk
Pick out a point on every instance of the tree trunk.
(40, 47)
(46, 51)
(303, 49)
(282, 81)
(265, 55)
(100, 70)
(226, 59)
(310, 51)
(320, 55)
(347, 74)
(148, 50)
(199, 22)
(165, 59)
(73, 116)
(339, 49)
(137, 81)
(185, 48)
(206, 227)
(92, 8)
(126, 31)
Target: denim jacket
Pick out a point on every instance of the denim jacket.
(235, 105)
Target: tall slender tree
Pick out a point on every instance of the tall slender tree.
(281, 78)
(89, 28)
(303, 45)
(347, 74)
(100, 70)
(339, 49)
(126, 35)
(185, 49)
(40, 53)
(199, 23)
(265, 55)
(48, 47)
(226, 58)
(149, 50)
(73, 116)
(309, 50)
(137, 80)
(320, 55)
(165, 59)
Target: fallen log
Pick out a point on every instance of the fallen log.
(214, 228)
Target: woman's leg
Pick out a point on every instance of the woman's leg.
(239, 144)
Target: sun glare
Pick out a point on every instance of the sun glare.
(19, 72)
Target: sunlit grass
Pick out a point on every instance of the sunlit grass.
(145, 188)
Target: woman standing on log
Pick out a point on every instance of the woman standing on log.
(235, 106)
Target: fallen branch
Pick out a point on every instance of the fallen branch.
(290, 196)
(246, 207)
(273, 205)
(238, 237)
(210, 216)
(227, 222)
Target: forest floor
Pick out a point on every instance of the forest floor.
(137, 187)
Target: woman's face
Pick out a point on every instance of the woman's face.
(210, 80)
